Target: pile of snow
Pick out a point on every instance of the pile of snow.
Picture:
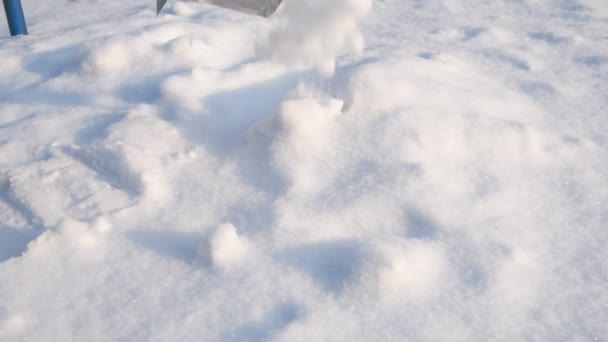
(211, 175)
(228, 250)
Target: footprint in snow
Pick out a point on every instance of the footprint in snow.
(331, 264)
(275, 320)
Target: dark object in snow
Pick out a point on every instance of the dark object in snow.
(15, 17)
(263, 8)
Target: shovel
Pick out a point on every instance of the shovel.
(262, 8)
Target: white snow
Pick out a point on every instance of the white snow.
(412, 271)
(315, 32)
(347, 170)
(228, 250)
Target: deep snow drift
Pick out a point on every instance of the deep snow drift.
(411, 170)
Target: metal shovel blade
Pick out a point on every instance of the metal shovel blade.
(159, 5)
(262, 8)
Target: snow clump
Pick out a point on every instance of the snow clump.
(228, 249)
(316, 32)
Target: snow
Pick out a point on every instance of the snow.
(345, 170)
(228, 250)
(315, 32)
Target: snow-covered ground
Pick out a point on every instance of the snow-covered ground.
(425, 170)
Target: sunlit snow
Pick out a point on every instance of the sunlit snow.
(345, 170)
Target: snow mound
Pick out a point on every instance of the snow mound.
(228, 249)
(135, 164)
(305, 128)
(86, 240)
(11, 325)
(411, 271)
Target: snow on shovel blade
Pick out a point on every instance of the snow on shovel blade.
(262, 8)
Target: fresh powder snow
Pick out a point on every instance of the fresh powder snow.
(345, 170)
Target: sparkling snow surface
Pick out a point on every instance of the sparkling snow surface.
(424, 170)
